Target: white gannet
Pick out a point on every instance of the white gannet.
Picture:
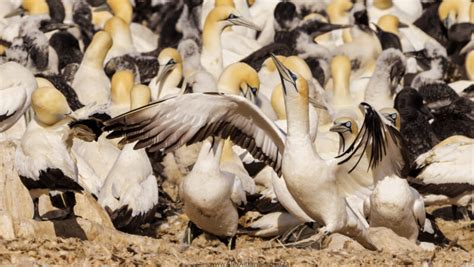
(235, 117)
(393, 203)
(408, 12)
(130, 191)
(383, 84)
(446, 175)
(90, 81)
(42, 159)
(18, 83)
(217, 20)
(169, 76)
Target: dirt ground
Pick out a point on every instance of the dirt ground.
(249, 252)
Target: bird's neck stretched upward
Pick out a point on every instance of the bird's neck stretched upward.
(297, 114)
(171, 80)
(97, 50)
(341, 71)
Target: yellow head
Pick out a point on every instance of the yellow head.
(35, 7)
(140, 96)
(452, 11)
(338, 10)
(97, 49)
(239, 79)
(345, 125)
(269, 65)
(49, 105)
(121, 87)
(297, 64)
(383, 4)
(122, 9)
(392, 115)
(389, 23)
(170, 56)
(229, 3)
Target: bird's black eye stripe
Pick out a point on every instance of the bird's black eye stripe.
(293, 76)
(171, 62)
(254, 90)
(232, 16)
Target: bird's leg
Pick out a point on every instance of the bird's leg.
(284, 238)
(36, 215)
(191, 232)
(229, 241)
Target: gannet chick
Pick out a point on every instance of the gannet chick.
(383, 84)
(90, 82)
(446, 175)
(169, 74)
(42, 159)
(217, 20)
(130, 191)
(18, 83)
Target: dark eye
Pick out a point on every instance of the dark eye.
(348, 124)
(171, 62)
(232, 16)
(254, 90)
(293, 76)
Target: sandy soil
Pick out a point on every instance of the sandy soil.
(205, 250)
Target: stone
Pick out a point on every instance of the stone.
(6, 226)
(87, 207)
(14, 197)
(336, 242)
(385, 239)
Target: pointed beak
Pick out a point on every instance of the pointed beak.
(163, 72)
(16, 12)
(337, 128)
(402, 25)
(103, 7)
(282, 70)
(241, 21)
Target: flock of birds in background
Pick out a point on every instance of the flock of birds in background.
(333, 115)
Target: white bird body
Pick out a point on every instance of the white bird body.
(449, 162)
(44, 148)
(143, 39)
(210, 195)
(273, 224)
(17, 85)
(130, 184)
(394, 204)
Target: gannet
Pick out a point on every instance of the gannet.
(90, 82)
(392, 25)
(407, 12)
(42, 159)
(383, 84)
(393, 203)
(130, 190)
(446, 175)
(217, 20)
(121, 35)
(259, 136)
(169, 76)
(18, 83)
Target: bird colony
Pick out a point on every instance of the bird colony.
(291, 120)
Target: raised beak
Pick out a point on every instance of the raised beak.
(163, 72)
(16, 12)
(241, 21)
(103, 7)
(338, 128)
(282, 70)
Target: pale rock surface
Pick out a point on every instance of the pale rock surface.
(386, 240)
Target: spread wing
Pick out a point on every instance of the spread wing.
(170, 123)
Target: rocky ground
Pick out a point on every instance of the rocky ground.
(167, 250)
(91, 239)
